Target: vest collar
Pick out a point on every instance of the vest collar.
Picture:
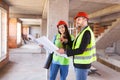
(83, 28)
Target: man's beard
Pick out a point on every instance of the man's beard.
(78, 26)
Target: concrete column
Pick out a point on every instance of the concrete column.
(44, 27)
(43, 32)
(57, 10)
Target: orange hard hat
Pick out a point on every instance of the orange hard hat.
(81, 14)
(61, 23)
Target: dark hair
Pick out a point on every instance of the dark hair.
(67, 36)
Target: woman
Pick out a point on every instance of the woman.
(62, 40)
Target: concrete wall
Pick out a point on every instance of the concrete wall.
(117, 47)
(35, 31)
(6, 59)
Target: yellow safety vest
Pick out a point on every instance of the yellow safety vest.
(89, 55)
(59, 59)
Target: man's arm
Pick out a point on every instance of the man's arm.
(85, 41)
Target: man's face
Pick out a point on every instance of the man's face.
(79, 21)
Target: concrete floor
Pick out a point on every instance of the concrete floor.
(27, 64)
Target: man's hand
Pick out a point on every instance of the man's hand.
(41, 45)
(61, 51)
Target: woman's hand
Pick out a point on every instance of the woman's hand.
(63, 40)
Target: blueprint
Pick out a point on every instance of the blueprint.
(48, 45)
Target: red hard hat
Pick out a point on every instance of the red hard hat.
(61, 23)
(81, 14)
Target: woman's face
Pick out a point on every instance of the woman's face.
(61, 28)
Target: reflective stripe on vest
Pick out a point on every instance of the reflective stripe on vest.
(85, 57)
(87, 49)
(89, 55)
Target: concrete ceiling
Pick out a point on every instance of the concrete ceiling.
(31, 21)
(26, 6)
(38, 8)
(87, 6)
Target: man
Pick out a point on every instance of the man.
(83, 48)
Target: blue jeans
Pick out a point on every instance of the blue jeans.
(81, 74)
(54, 70)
